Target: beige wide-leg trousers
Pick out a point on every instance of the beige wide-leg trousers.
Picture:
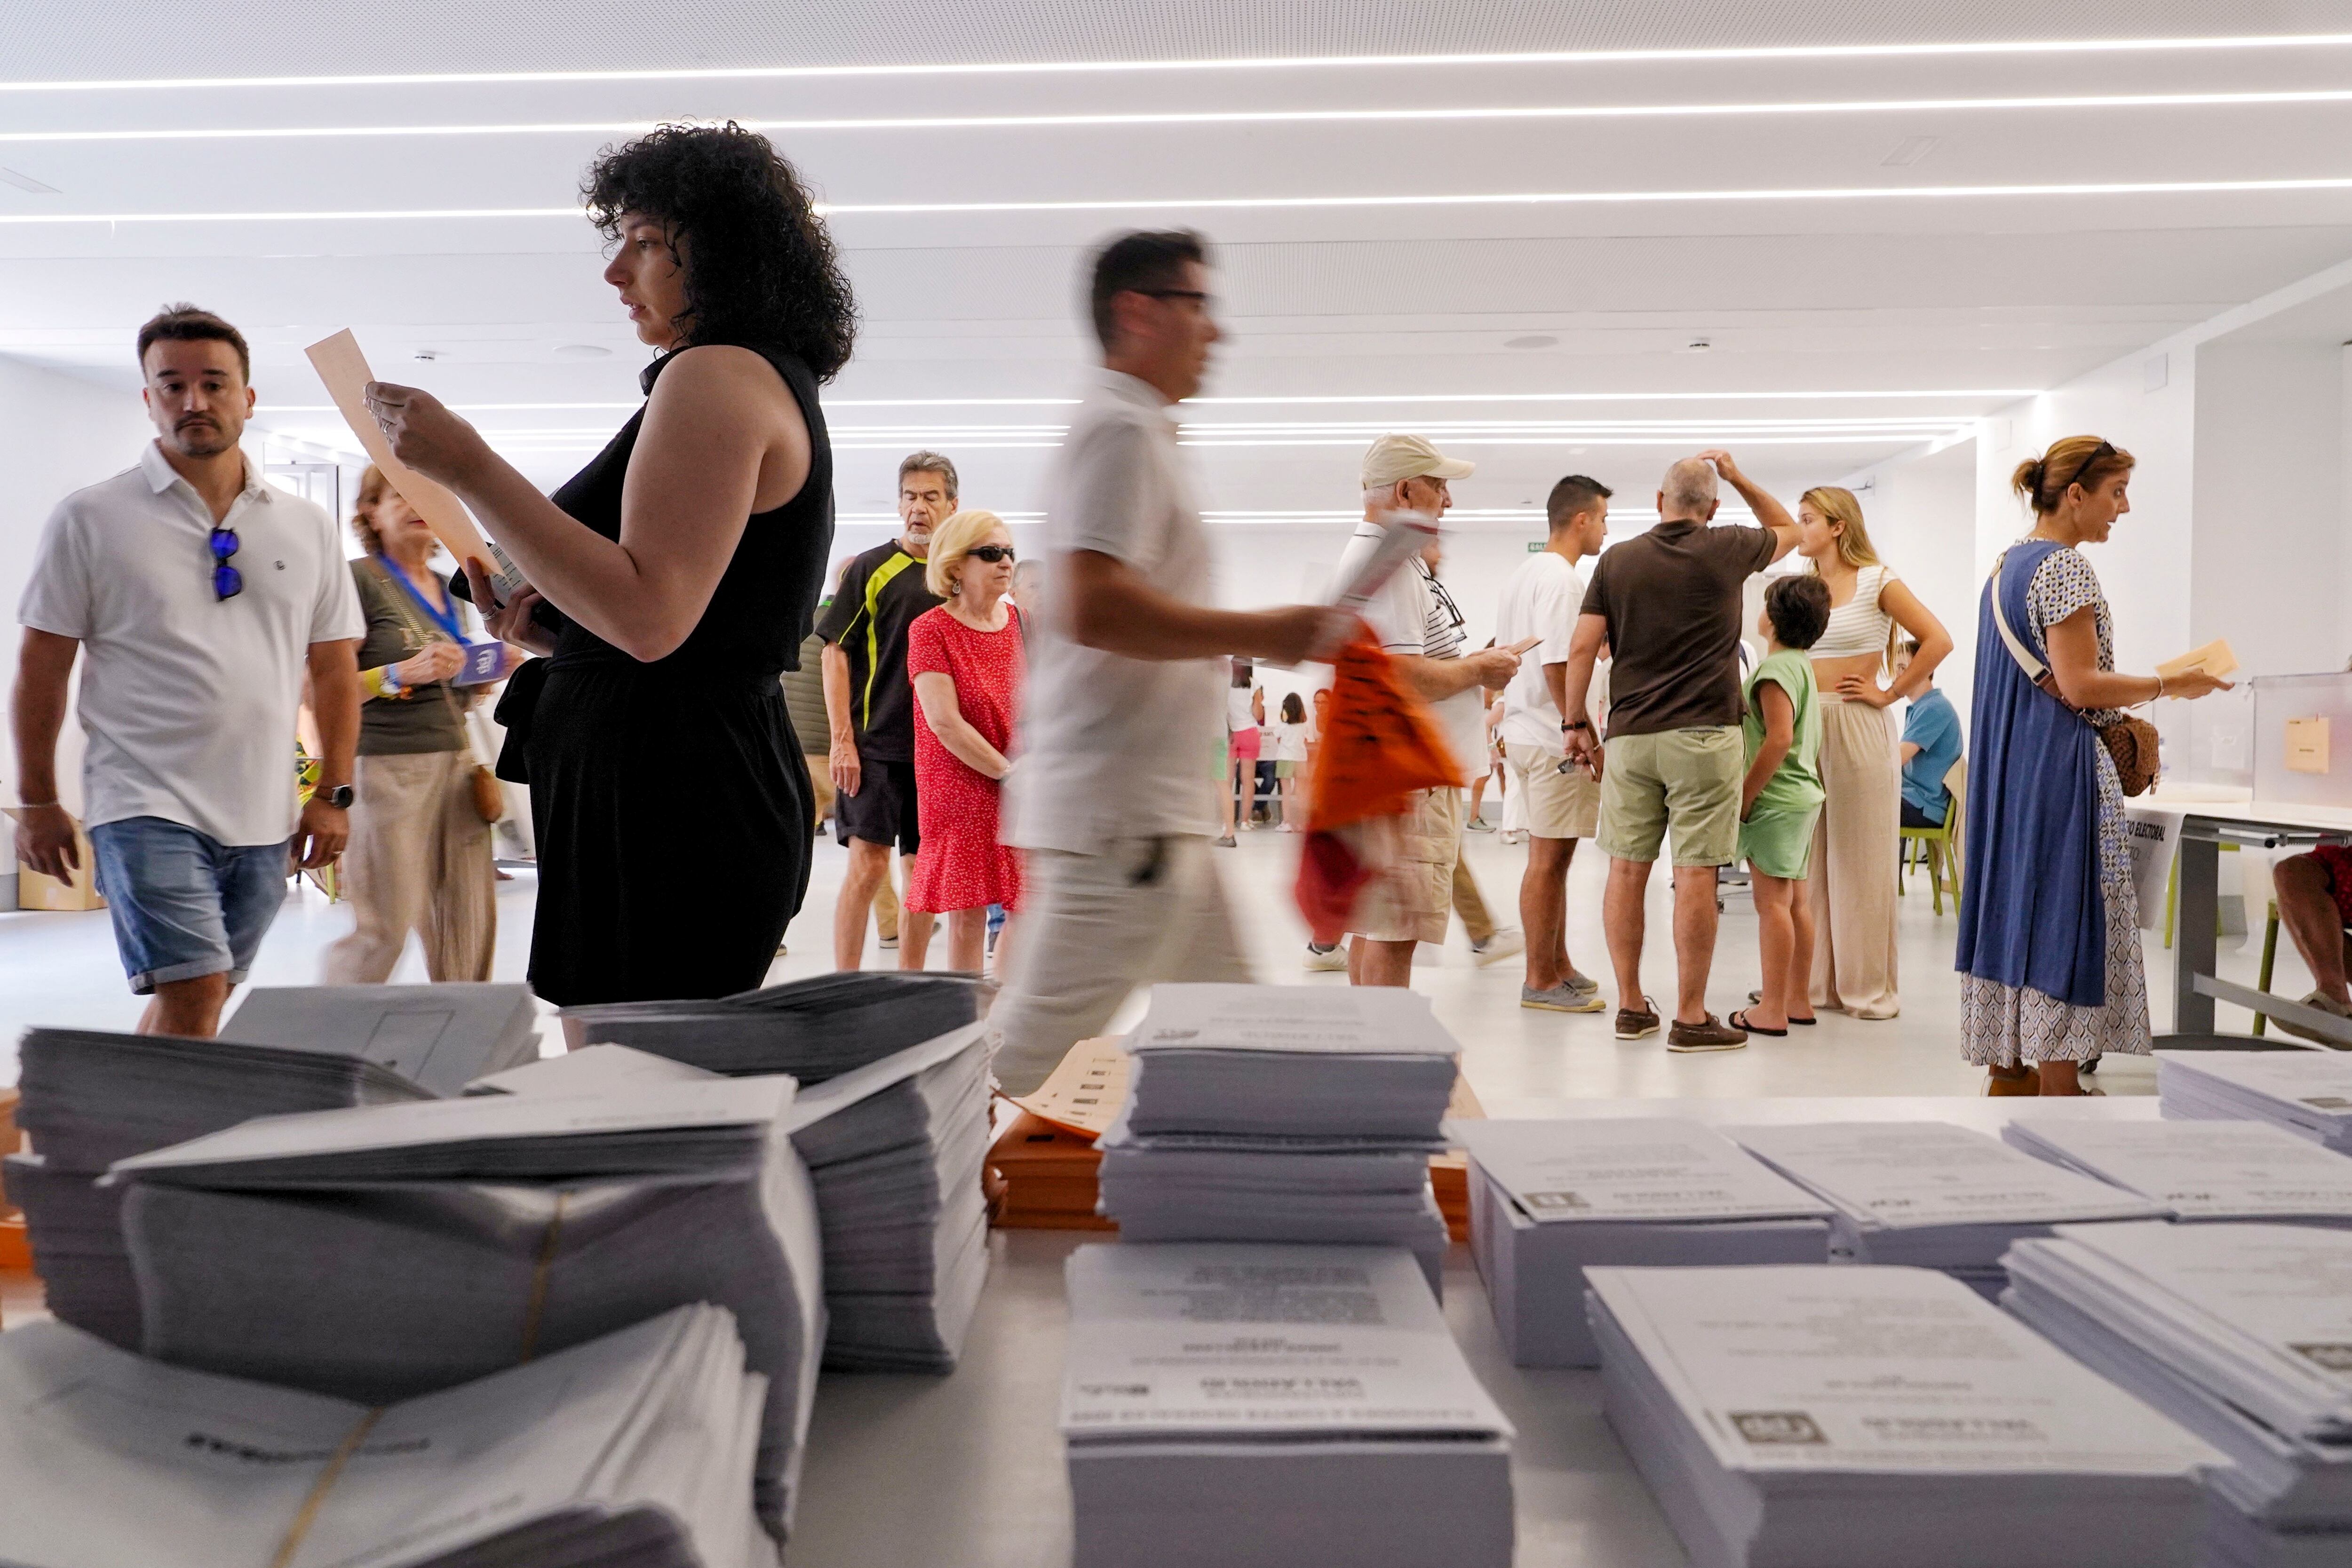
(1852, 875)
(419, 859)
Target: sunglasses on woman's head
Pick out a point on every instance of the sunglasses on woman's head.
(227, 581)
(992, 553)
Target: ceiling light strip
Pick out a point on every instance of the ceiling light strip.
(1289, 62)
(1234, 117)
(2005, 394)
(1228, 204)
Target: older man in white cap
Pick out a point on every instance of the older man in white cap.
(1418, 627)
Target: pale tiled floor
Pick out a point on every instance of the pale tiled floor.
(61, 970)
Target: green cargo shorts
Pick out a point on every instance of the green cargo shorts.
(1688, 780)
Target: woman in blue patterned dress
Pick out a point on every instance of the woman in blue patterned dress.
(2049, 947)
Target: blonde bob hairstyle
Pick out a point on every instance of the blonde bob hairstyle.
(1853, 546)
(951, 543)
(373, 486)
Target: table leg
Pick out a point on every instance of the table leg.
(2193, 949)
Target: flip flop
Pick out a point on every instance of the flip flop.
(1803, 1023)
(1739, 1021)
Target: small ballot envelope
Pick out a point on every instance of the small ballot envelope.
(484, 660)
(2214, 658)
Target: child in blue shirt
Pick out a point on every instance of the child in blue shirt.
(1931, 744)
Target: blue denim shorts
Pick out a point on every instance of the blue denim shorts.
(184, 905)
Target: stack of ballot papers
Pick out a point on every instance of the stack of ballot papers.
(1867, 1417)
(894, 1152)
(1551, 1199)
(894, 1149)
(2242, 1333)
(91, 1097)
(1931, 1194)
(1269, 1406)
(813, 1029)
(439, 1037)
(630, 1451)
(2309, 1093)
(1282, 1113)
(381, 1254)
(2201, 1170)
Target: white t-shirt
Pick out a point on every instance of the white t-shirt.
(1409, 614)
(1540, 599)
(189, 699)
(1239, 714)
(1114, 747)
(1289, 740)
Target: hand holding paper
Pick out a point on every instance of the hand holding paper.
(2215, 658)
(357, 394)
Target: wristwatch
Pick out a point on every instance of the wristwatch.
(340, 796)
(1567, 725)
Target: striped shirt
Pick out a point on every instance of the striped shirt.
(1860, 625)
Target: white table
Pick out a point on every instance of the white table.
(2205, 826)
(966, 1471)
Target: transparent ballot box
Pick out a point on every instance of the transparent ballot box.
(2303, 739)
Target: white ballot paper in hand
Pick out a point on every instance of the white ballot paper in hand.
(344, 369)
(1404, 534)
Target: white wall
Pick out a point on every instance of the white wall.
(1922, 518)
(56, 434)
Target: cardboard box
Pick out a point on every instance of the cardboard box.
(35, 892)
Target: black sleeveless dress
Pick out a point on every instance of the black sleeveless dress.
(670, 798)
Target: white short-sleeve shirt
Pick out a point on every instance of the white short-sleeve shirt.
(189, 699)
(1114, 747)
(1407, 616)
(1540, 599)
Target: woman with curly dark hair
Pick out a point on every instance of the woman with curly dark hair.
(671, 579)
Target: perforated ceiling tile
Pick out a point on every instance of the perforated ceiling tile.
(152, 38)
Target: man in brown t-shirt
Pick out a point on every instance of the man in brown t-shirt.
(1668, 604)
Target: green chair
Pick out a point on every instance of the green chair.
(1939, 845)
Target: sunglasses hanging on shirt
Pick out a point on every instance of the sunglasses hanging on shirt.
(227, 581)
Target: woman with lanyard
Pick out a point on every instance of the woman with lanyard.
(419, 857)
(672, 579)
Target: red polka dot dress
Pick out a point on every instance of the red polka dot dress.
(961, 864)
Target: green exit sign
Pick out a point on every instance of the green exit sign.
(1535, 547)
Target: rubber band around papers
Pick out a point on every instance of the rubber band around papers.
(308, 1514)
(538, 1305)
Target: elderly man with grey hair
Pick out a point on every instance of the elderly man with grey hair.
(1668, 604)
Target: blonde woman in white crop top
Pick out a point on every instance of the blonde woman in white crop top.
(1853, 870)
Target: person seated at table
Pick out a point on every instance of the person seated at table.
(2314, 905)
(1931, 744)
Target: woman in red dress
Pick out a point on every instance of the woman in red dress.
(965, 658)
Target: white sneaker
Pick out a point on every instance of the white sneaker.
(1322, 959)
(1501, 945)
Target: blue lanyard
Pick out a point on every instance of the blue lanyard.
(447, 621)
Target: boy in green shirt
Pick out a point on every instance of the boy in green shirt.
(1782, 797)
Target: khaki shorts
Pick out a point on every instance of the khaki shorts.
(1559, 804)
(1411, 900)
(1688, 780)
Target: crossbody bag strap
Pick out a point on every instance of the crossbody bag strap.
(2027, 659)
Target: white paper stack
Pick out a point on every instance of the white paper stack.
(630, 1451)
(1272, 1408)
(93, 1097)
(2201, 1170)
(813, 1029)
(1933, 1195)
(1282, 1113)
(1551, 1199)
(1859, 1418)
(379, 1254)
(439, 1035)
(2243, 1334)
(2309, 1093)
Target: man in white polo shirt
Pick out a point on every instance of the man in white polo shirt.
(200, 598)
(1418, 628)
(1562, 798)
